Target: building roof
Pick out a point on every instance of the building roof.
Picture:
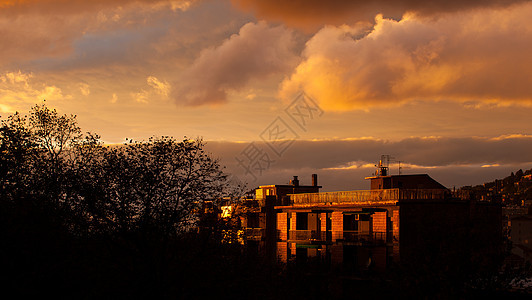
(411, 181)
(289, 186)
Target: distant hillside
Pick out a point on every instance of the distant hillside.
(511, 190)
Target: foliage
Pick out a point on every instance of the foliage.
(155, 185)
(74, 210)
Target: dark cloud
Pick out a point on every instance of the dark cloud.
(426, 152)
(49, 29)
(315, 13)
(354, 179)
(14, 8)
(344, 163)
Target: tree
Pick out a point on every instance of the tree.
(16, 151)
(53, 133)
(154, 186)
(69, 200)
(157, 185)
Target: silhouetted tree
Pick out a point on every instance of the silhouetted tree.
(156, 186)
(124, 211)
(16, 152)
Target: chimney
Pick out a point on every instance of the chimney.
(314, 179)
(295, 181)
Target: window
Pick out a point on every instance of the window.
(351, 222)
(253, 220)
(302, 221)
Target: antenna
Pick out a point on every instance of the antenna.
(382, 168)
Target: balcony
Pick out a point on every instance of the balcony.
(254, 233)
(304, 235)
(368, 196)
(347, 236)
(365, 237)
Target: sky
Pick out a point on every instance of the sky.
(282, 88)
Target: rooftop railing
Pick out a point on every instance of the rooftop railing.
(364, 196)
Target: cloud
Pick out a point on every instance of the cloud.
(312, 14)
(17, 90)
(161, 87)
(419, 152)
(140, 97)
(490, 166)
(24, 38)
(256, 52)
(15, 78)
(479, 56)
(157, 89)
(342, 164)
(37, 29)
(111, 45)
(84, 89)
(114, 98)
(75, 6)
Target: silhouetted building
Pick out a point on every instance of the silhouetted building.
(281, 192)
(258, 215)
(409, 217)
(358, 229)
(521, 236)
(411, 182)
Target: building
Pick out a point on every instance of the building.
(258, 215)
(282, 192)
(407, 218)
(521, 236)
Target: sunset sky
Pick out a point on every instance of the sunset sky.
(283, 88)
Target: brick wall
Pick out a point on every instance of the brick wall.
(282, 228)
(395, 221)
(379, 221)
(323, 219)
(337, 225)
(293, 220)
(282, 251)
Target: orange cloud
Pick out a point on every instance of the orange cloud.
(16, 88)
(475, 56)
(312, 14)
